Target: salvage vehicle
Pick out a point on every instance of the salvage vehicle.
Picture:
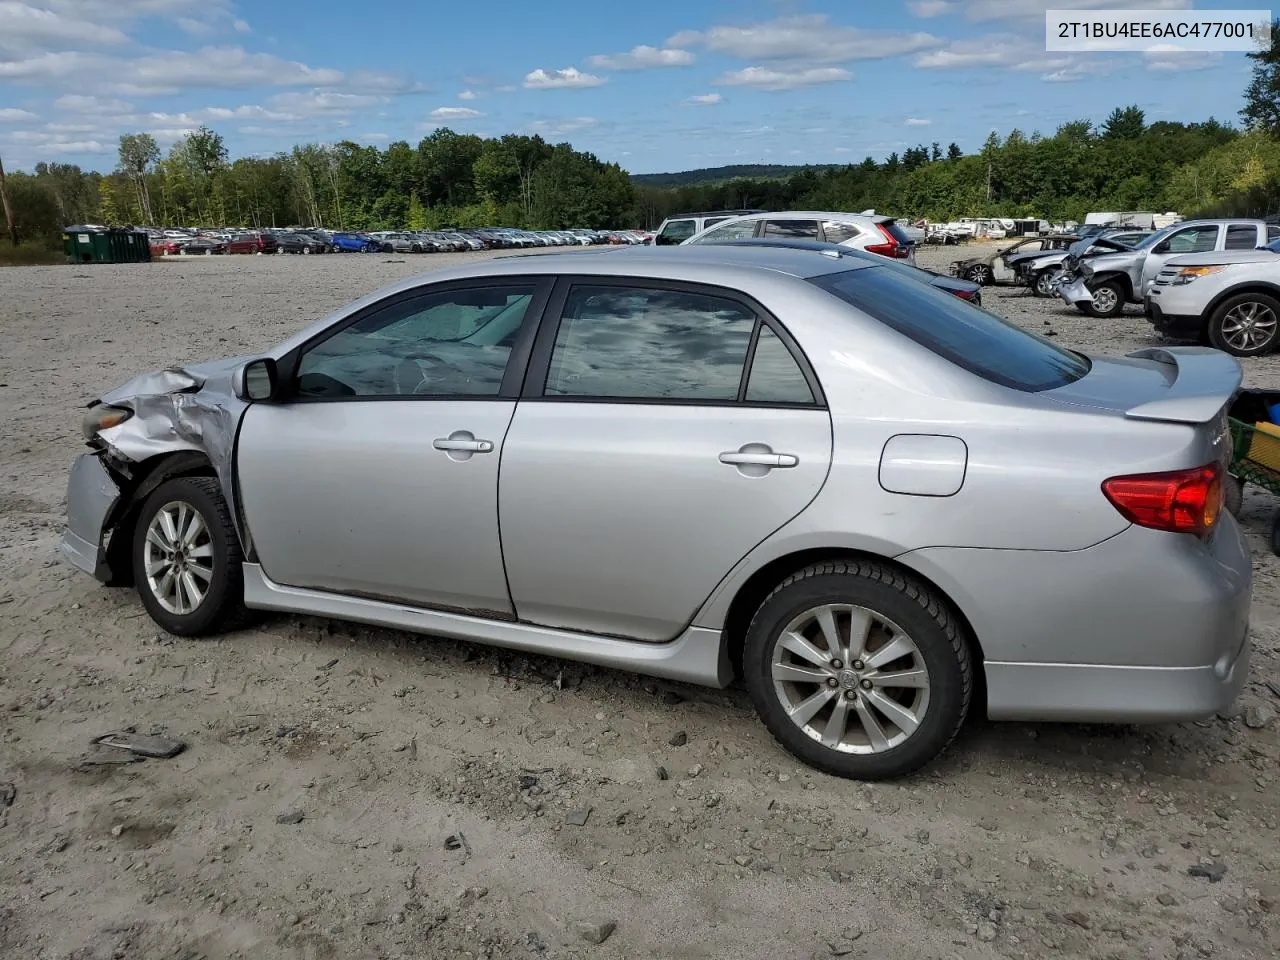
(875, 503)
(1041, 271)
(1100, 283)
(355, 243)
(873, 233)
(301, 243)
(1000, 267)
(1229, 299)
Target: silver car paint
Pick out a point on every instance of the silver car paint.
(621, 519)
(346, 496)
(1029, 512)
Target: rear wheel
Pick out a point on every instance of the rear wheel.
(1233, 494)
(1245, 325)
(857, 670)
(980, 274)
(1108, 300)
(187, 560)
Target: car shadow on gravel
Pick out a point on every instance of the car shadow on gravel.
(1114, 751)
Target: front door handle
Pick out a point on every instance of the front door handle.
(468, 446)
(462, 445)
(738, 458)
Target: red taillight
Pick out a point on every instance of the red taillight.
(890, 248)
(1180, 501)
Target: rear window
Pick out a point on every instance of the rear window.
(897, 232)
(967, 336)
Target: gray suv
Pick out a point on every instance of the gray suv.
(680, 228)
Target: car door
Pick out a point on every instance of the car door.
(1000, 268)
(1198, 238)
(378, 474)
(664, 430)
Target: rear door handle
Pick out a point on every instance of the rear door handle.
(741, 458)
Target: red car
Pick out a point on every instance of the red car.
(161, 247)
(252, 243)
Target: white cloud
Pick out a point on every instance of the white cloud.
(560, 126)
(997, 50)
(926, 9)
(506, 88)
(812, 38)
(566, 79)
(80, 103)
(985, 11)
(763, 78)
(28, 29)
(704, 99)
(197, 28)
(642, 58)
(918, 122)
(454, 113)
(1176, 61)
(240, 26)
(374, 137)
(314, 103)
(468, 95)
(14, 115)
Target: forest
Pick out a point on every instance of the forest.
(454, 179)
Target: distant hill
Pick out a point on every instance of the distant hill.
(758, 171)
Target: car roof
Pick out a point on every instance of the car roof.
(815, 215)
(690, 261)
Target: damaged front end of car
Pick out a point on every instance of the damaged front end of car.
(174, 422)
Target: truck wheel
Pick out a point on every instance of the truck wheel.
(1245, 325)
(1108, 300)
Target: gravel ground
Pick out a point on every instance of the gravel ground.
(351, 793)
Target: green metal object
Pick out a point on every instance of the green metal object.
(98, 245)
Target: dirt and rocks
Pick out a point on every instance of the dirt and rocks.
(353, 793)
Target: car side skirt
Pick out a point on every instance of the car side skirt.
(697, 656)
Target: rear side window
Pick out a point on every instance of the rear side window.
(775, 376)
(792, 229)
(1242, 236)
(839, 232)
(642, 343)
(967, 336)
(1273, 233)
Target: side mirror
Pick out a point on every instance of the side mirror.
(1161, 247)
(255, 380)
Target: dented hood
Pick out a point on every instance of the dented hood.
(193, 376)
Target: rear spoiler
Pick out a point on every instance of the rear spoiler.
(1205, 381)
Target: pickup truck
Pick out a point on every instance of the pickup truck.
(1102, 283)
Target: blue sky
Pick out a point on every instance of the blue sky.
(655, 85)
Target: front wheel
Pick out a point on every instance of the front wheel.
(1245, 325)
(1044, 283)
(187, 560)
(1108, 300)
(980, 274)
(858, 671)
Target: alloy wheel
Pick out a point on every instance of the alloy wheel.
(1104, 300)
(1249, 325)
(850, 679)
(178, 558)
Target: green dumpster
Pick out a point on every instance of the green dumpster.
(103, 245)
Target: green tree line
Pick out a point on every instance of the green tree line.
(450, 178)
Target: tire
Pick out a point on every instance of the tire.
(1246, 325)
(1275, 534)
(902, 608)
(306, 250)
(1043, 284)
(221, 606)
(1233, 494)
(1111, 294)
(980, 274)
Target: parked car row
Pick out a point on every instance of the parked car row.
(173, 242)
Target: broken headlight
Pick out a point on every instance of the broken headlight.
(101, 417)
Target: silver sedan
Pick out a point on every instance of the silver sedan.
(876, 505)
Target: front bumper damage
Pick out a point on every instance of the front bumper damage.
(184, 421)
(1074, 291)
(92, 498)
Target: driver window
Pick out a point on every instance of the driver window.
(736, 230)
(449, 344)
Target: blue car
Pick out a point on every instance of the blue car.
(355, 243)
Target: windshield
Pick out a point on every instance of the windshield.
(966, 335)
